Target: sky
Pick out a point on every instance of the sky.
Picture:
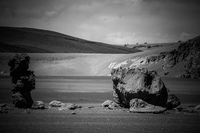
(108, 21)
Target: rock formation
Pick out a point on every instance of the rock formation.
(147, 86)
(63, 106)
(188, 53)
(23, 80)
(55, 103)
(110, 104)
(38, 105)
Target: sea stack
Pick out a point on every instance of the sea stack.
(23, 80)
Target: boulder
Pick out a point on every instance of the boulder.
(2, 105)
(131, 83)
(140, 106)
(22, 99)
(141, 91)
(38, 105)
(197, 107)
(55, 103)
(107, 103)
(172, 101)
(110, 105)
(3, 108)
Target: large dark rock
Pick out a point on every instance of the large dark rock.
(23, 80)
(22, 99)
(172, 101)
(138, 83)
(134, 86)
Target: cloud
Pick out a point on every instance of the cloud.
(110, 21)
(31, 8)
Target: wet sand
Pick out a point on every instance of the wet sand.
(91, 92)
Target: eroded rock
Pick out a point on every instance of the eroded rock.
(197, 107)
(55, 103)
(23, 80)
(64, 106)
(172, 101)
(138, 83)
(134, 86)
(107, 103)
(110, 105)
(38, 105)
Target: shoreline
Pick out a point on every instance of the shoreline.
(92, 117)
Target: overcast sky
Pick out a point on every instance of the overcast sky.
(109, 21)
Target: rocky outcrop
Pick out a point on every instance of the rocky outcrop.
(110, 104)
(23, 80)
(155, 58)
(55, 103)
(187, 53)
(38, 105)
(190, 53)
(63, 106)
(138, 83)
(135, 83)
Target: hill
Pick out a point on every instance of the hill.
(29, 40)
(174, 60)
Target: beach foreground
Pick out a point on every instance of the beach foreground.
(90, 93)
(96, 119)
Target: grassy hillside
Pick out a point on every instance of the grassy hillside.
(18, 40)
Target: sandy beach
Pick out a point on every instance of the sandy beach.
(90, 92)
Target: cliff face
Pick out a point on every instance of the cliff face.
(188, 53)
(180, 60)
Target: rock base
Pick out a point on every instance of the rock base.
(140, 106)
